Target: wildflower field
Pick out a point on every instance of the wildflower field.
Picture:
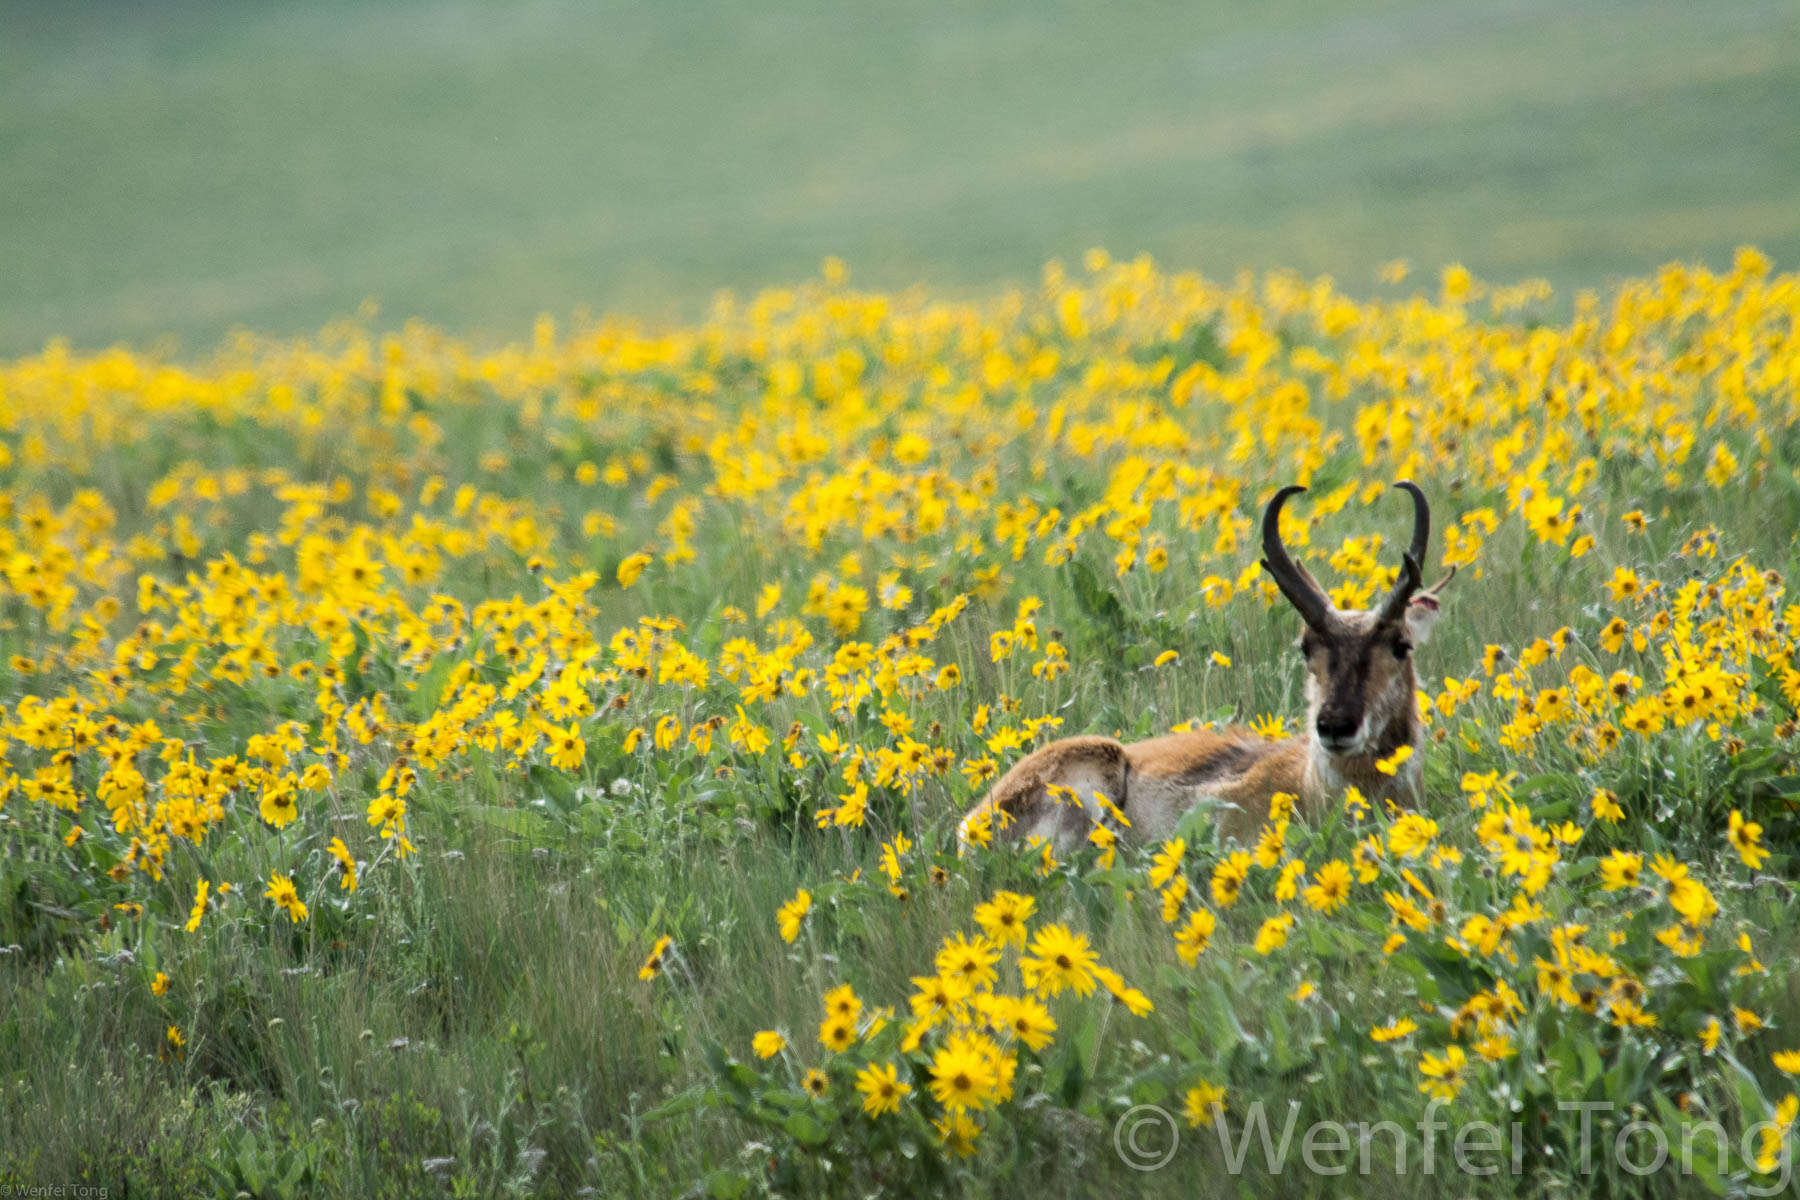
(432, 770)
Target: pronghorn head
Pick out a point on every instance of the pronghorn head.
(1359, 671)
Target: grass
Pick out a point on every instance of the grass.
(471, 1020)
(187, 167)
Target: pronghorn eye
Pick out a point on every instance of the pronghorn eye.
(1402, 649)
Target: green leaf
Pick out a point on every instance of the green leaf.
(1073, 1083)
(782, 1098)
(559, 789)
(520, 821)
(1591, 1070)
(1220, 1019)
(726, 1185)
(1549, 782)
(692, 1100)
(805, 1128)
(1097, 599)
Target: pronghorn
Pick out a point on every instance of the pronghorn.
(1360, 707)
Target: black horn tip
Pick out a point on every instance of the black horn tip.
(1282, 496)
(1272, 512)
(1271, 521)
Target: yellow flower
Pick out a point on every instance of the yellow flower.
(653, 964)
(282, 891)
(1167, 861)
(971, 961)
(1392, 763)
(842, 1001)
(1773, 1135)
(1103, 837)
(567, 749)
(1411, 834)
(199, 910)
(1624, 583)
(791, 914)
(1606, 806)
(1165, 658)
(1330, 889)
(1059, 959)
(958, 1133)
(938, 995)
(1273, 934)
(1193, 938)
(1269, 727)
(1173, 897)
(837, 1033)
(1203, 1104)
(881, 1088)
(632, 567)
(1135, 1002)
(962, 1074)
(1445, 1074)
(1394, 1030)
(1228, 878)
(346, 864)
(1026, 1019)
(278, 802)
(1620, 869)
(1746, 837)
(1004, 918)
(768, 1043)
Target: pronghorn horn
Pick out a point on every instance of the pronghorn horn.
(1295, 582)
(1409, 582)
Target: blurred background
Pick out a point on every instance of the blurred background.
(182, 168)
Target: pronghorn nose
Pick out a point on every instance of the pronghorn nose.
(1337, 727)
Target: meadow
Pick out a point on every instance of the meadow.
(437, 770)
(184, 167)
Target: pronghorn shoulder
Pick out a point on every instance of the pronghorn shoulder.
(1248, 799)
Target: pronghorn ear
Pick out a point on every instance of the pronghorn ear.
(1421, 615)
